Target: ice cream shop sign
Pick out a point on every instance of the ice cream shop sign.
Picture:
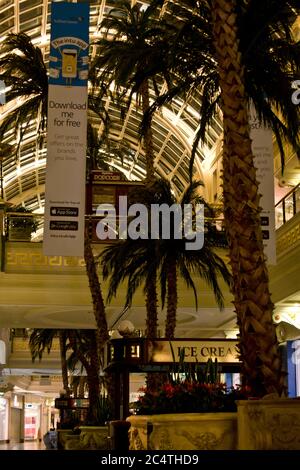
(192, 350)
(144, 354)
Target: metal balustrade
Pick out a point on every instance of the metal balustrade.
(30, 227)
(287, 207)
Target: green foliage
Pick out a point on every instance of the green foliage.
(101, 410)
(41, 339)
(25, 75)
(137, 259)
(193, 373)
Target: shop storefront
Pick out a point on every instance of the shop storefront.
(32, 421)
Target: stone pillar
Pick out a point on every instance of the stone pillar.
(22, 423)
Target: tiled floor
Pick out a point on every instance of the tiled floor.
(32, 445)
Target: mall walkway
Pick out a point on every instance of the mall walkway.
(32, 445)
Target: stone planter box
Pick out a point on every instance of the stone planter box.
(94, 437)
(90, 438)
(183, 431)
(62, 437)
(269, 424)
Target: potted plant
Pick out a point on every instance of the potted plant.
(21, 223)
(190, 410)
(93, 433)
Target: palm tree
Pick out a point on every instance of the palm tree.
(96, 292)
(217, 53)
(6, 151)
(83, 344)
(135, 55)
(85, 350)
(133, 259)
(23, 71)
(269, 55)
(252, 300)
(233, 52)
(77, 386)
(175, 259)
(41, 339)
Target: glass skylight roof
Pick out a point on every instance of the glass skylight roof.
(173, 128)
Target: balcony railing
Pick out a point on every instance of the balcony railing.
(24, 227)
(30, 227)
(287, 207)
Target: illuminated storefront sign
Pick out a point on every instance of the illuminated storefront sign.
(192, 350)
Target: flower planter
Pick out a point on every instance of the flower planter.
(62, 437)
(269, 424)
(93, 437)
(183, 431)
(90, 438)
(72, 441)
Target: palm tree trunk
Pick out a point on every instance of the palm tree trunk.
(74, 387)
(102, 335)
(95, 289)
(93, 379)
(92, 371)
(151, 290)
(261, 364)
(171, 300)
(81, 387)
(153, 379)
(63, 358)
(151, 306)
(148, 140)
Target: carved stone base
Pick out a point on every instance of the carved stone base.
(183, 431)
(90, 438)
(269, 424)
(62, 436)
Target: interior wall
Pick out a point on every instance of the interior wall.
(3, 419)
(15, 432)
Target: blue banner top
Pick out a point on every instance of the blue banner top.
(69, 44)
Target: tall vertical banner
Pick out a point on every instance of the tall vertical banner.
(67, 130)
(262, 148)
